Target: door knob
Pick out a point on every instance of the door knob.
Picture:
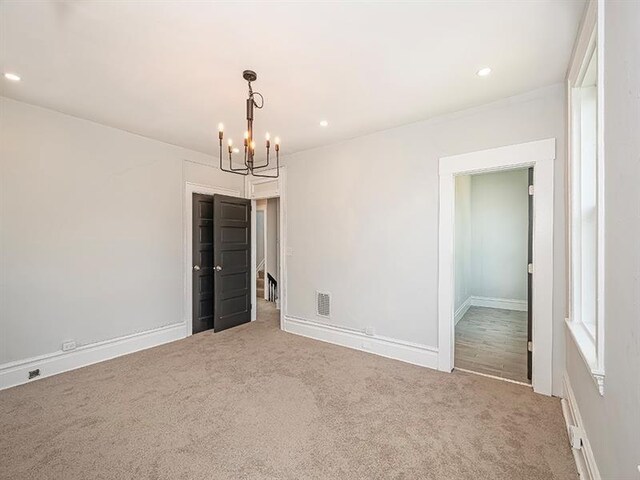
(196, 268)
(218, 268)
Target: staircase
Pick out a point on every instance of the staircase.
(260, 284)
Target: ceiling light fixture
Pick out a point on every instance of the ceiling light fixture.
(483, 72)
(250, 167)
(12, 76)
(324, 123)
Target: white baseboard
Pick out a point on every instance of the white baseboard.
(503, 303)
(414, 353)
(17, 373)
(462, 309)
(583, 455)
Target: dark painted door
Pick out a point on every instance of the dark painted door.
(232, 255)
(529, 280)
(203, 271)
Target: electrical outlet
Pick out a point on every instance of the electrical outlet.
(575, 437)
(68, 345)
(34, 373)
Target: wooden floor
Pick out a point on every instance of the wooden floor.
(493, 341)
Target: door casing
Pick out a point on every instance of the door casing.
(540, 155)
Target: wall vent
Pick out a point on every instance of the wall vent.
(323, 304)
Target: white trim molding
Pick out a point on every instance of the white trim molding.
(586, 348)
(408, 352)
(540, 155)
(189, 190)
(580, 446)
(501, 303)
(489, 302)
(17, 373)
(462, 309)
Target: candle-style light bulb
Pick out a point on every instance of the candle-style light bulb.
(246, 134)
(220, 130)
(230, 143)
(277, 142)
(267, 136)
(253, 145)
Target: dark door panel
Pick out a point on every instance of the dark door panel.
(232, 256)
(203, 271)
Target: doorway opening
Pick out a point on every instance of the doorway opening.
(540, 155)
(493, 259)
(269, 277)
(268, 250)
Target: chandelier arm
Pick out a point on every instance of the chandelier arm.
(237, 172)
(266, 164)
(277, 169)
(234, 170)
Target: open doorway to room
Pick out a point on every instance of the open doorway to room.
(268, 259)
(493, 255)
(268, 250)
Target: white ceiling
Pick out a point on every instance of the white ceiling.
(173, 70)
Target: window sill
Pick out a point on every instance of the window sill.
(587, 348)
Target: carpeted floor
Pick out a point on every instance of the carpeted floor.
(257, 403)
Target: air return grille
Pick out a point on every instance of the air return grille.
(323, 304)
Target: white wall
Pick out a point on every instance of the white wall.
(91, 230)
(462, 240)
(499, 234)
(273, 227)
(362, 217)
(260, 215)
(612, 421)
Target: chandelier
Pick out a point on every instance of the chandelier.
(250, 166)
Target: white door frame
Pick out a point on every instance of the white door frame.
(540, 155)
(190, 189)
(257, 188)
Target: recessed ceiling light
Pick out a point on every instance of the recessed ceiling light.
(324, 123)
(12, 76)
(483, 72)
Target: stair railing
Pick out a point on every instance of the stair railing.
(273, 288)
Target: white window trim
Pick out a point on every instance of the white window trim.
(591, 349)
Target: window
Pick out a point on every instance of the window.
(586, 249)
(586, 206)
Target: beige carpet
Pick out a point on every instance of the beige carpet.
(257, 403)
